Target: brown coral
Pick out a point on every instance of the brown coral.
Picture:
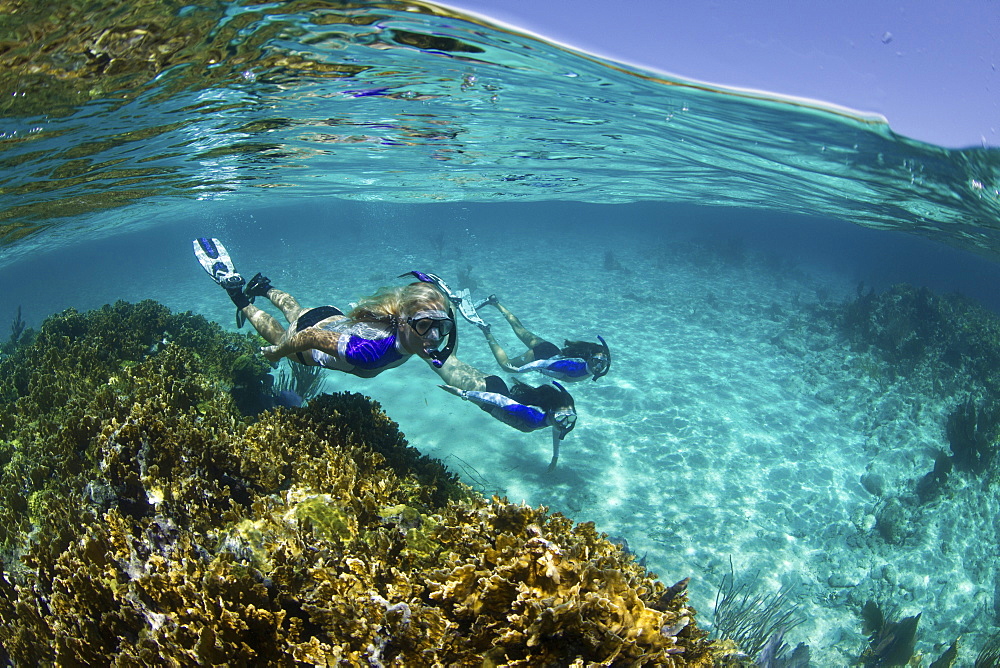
(146, 522)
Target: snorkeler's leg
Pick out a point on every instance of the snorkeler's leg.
(260, 286)
(287, 303)
(520, 331)
(264, 323)
(498, 352)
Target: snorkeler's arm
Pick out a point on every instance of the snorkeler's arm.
(555, 450)
(503, 408)
(310, 338)
(460, 375)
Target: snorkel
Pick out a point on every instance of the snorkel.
(438, 356)
(607, 357)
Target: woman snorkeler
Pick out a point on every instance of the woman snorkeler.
(522, 406)
(575, 361)
(380, 333)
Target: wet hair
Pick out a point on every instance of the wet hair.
(547, 397)
(393, 303)
(580, 349)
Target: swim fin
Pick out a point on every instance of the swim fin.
(215, 259)
(468, 310)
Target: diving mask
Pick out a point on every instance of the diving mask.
(423, 322)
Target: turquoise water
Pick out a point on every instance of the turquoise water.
(334, 147)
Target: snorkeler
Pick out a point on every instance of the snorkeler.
(380, 333)
(577, 360)
(522, 406)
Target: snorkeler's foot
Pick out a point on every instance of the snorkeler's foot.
(216, 261)
(257, 286)
(492, 300)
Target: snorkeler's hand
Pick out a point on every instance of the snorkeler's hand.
(271, 353)
(454, 390)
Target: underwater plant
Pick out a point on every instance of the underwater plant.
(989, 655)
(16, 327)
(302, 380)
(913, 327)
(890, 643)
(931, 485)
(145, 520)
(20, 334)
(973, 430)
(611, 262)
(466, 280)
(756, 623)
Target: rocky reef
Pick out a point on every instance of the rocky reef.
(146, 520)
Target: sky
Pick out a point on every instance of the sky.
(929, 66)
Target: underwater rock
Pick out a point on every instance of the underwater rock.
(891, 522)
(145, 521)
(932, 484)
(873, 483)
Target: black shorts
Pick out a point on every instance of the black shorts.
(496, 384)
(545, 350)
(314, 315)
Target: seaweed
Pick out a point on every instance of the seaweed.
(911, 327)
(973, 430)
(890, 643)
(20, 334)
(989, 655)
(932, 484)
(305, 381)
(466, 280)
(611, 262)
(16, 327)
(752, 620)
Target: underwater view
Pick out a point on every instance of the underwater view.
(704, 376)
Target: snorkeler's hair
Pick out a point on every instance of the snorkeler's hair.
(580, 349)
(547, 397)
(391, 303)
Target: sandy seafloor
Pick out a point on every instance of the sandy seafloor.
(735, 422)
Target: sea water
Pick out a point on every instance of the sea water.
(707, 234)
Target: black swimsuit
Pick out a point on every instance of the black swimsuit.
(311, 317)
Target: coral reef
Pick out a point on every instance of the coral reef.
(951, 345)
(146, 520)
(909, 326)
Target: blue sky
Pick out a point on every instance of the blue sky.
(932, 67)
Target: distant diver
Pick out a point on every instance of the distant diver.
(522, 406)
(575, 361)
(380, 333)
